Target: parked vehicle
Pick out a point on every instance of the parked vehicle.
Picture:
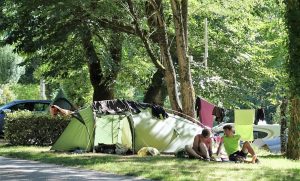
(267, 135)
(263, 131)
(30, 105)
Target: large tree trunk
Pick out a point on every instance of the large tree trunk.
(154, 9)
(293, 24)
(293, 146)
(186, 84)
(283, 124)
(157, 91)
(103, 86)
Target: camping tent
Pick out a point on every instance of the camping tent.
(131, 129)
(61, 101)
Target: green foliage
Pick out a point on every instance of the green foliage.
(29, 128)
(10, 72)
(246, 52)
(78, 90)
(247, 46)
(136, 71)
(26, 91)
(11, 92)
(7, 94)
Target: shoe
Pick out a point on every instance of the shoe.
(257, 161)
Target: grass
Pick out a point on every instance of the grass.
(272, 167)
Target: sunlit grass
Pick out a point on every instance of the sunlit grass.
(272, 167)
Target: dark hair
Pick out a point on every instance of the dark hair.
(228, 127)
(205, 132)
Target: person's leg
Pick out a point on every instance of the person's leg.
(203, 151)
(192, 152)
(248, 148)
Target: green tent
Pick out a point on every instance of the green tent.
(61, 101)
(114, 129)
(86, 131)
(133, 131)
(78, 134)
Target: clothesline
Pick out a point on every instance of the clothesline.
(187, 116)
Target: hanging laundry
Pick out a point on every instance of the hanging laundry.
(198, 106)
(243, 123)
(206, 116)
(219, 113)
(260, 115)
(229, 116)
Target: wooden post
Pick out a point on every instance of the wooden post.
(205, 43)
(42, 89)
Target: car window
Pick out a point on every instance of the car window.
(259, 134)
(22, 106)
(40, 106)
(17, 107)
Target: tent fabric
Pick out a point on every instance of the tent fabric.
(61, 101)
(113, 129)
(243, 120)
(134, 130)
(118, 106)
(206, 116)
(166, 135)
(77, 135)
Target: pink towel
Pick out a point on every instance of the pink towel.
(206, 110)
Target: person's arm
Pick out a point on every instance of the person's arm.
(220, 146)
(210, 149)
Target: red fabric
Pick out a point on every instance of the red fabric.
(206, 110)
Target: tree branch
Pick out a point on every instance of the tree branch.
(115, 25)
(141, 34)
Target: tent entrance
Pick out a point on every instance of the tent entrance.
(114, 130)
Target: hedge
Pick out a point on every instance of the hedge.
(31, 128)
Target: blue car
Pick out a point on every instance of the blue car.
(30, 105)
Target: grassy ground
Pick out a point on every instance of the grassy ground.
(272, 167)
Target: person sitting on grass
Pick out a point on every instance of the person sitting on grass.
(202, 146)
(231, 143)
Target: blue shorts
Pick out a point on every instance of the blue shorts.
(233, 156)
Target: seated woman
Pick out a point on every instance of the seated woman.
(202, 146)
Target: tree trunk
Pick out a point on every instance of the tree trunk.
(293, 25)
(283, 124)
(184, 5)
(103, 86)
(156, 19)
(157, 91)
(186, 84)
(293, 146)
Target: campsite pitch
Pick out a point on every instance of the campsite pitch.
(272, 167)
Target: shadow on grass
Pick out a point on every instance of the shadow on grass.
(159, 168)
(275, 175)
(272, 156)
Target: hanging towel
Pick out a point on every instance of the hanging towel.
(243, 123)
(206, 116)
(260, 115)
(197, 106)
(219, 113)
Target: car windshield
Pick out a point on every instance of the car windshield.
(4, 106)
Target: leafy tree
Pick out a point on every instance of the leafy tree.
(65, 35)
(9, 69)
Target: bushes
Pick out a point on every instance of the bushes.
(29, 128)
